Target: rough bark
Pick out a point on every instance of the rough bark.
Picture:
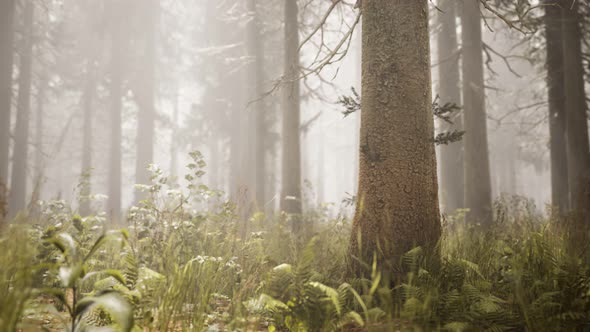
(357, 115)
(478, 192)
(146, 99)
(397, 206)
(6, 63)
(18, 184)
(291, 160)
(116, 94)
(578, 151)
(451, 155)
(556, 99)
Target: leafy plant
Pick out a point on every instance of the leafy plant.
(71, 265)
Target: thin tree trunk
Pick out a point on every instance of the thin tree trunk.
(556, 97)
(256, 74)
(397, 205)
(87, 139)
(173, 138)
(452, 186)
(291, 163)
(6, 63)
(18, 188)
(39, 131)
(116, 94)
(578, 150)
(478, 192)
(320, 176)
(146, 100)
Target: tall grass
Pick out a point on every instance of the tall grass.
(186, 266)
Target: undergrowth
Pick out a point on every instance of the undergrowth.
(184, 264)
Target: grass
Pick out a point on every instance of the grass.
(182, 265)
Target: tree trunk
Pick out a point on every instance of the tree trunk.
(18, 188)
(452, 187)
(357, 115)
(6, 63)
(556, 98)
(174, 138)
(256, 75)
(578, 150)
(116, 94)
(291, 164)
(397, 205)
(146, 100)
(39, 147)
(88, 96)
(478, 192)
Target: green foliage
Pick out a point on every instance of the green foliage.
(183, 265)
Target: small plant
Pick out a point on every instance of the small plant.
(71, 264)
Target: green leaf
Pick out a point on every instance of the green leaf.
(69, 274)
(112, 302)
(330, 292)
(354, 316)
(64, 242)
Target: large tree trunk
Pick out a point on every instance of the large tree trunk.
(87, 104)
(116, 93)
(397, 206)
(578, 150)
(451, 156)
(256, 75)
(357, 115)
(146, 99)
(6, 63)
(478, 192)
(18, 188)
(556, 97)
(291, 164)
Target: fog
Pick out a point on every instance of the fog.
(199, 72)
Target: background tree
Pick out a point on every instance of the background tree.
(117, 49)
(578, 151)
(6, 63)
(18, 187)
(146, 93)
(451, 155)
(291, 200)
(556, 97)
(256, 75)
(478, 195)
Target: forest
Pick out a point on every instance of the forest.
(294, 165)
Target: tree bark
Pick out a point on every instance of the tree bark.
(146, 99)
(291, 161)
(452, 181)
(6, 63)
(397, 205)
(18, 187)
(556, 98)
(478, 192)
(578, 150)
